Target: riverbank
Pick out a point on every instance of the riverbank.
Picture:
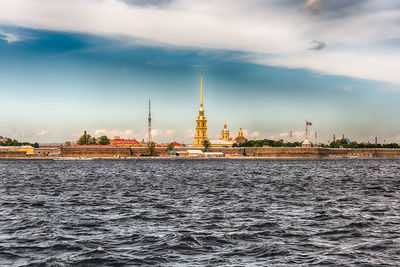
(257, 152)
(239, 153)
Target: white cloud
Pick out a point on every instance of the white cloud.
(76, 134)
(170, 133)
(37, 133)
(42, 133)
(298, 134)
(295, 135)
(10, 131)
(189, 133)
(155, 133)
(9, 37)
(111, 133)
(347, 63)
(255, 134)
(359, 41)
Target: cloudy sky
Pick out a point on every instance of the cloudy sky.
(70, 65)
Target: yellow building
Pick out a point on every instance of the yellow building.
(240, 139)
(225, 134)
(28, 149)
(225, 140)
(201, 123)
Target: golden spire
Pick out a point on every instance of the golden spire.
(201, 122)
(240, 132)
(201, 92)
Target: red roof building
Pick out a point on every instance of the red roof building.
(124, 142)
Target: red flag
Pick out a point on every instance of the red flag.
(308, 123)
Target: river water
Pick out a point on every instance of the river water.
(256, 212)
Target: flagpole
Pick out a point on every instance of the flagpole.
(306, 130)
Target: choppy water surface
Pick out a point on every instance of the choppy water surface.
(200, 212)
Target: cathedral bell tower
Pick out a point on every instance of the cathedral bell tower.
(201, 122)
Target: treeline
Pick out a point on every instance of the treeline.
(341, 143)
(267, 142)
(344, 144)
(15, 142)
(89, 140)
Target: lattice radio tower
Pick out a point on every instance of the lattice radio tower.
(149, 122)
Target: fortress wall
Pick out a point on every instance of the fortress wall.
(12, 154)
(226, 150)
(270, 152)
(137, 151)
(95, 152)
(286, 152)
(360, 153)
(108, 151)
(333, 153)
(386, 153)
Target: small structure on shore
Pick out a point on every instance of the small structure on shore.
(307, 143)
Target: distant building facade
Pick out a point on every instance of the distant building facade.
(29, 150)
(225, 134)
(225, 140)
(48, 151)
(118, 142)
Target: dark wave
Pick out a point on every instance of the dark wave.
(199, 212)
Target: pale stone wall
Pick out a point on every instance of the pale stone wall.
(12, 154)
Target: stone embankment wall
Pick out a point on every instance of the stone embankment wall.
(12, 154)
(99, 152)
(107, 152)
(269, 152)
(360, 153)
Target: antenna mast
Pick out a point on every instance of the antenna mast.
(149, 122)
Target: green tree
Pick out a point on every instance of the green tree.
(392, 145)
(92, 141)
(68, 143)
(206, 144)
(335, 144)
(86, 140)
(103, 140)
(35, 145)
(170, 147)
(151, 147)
